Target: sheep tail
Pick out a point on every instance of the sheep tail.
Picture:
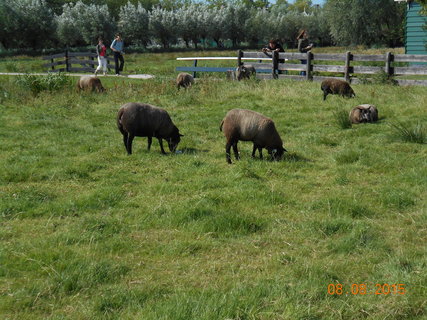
(220, 126)
(119, 118)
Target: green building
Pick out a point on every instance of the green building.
(415, 29)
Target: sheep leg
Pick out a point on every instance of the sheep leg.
(150, 140)
(125, 139)
(161, 145)
(254, 150)
(129, 143)
(227, 152)
(325, 93)
(236, 152)
(260, 152)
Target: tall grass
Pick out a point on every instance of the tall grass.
(410, 132)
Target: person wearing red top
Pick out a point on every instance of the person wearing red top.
(101, 51)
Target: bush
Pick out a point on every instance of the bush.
(37, 84)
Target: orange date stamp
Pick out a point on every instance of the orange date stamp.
(366, 289)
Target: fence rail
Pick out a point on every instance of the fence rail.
(318, 66)
(86, 61)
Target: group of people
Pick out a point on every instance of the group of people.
(117, 47)
(304, 46)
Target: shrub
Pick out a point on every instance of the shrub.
(37, 84)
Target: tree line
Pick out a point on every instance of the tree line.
(52, 23)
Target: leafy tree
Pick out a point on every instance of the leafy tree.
(163, 25)
(215, 28)
(133, 23)
(366, 22)
(26, 23)
(82, 24)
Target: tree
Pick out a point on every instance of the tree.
(163, 25)
(82, 24)
(26, 23)
(368, 22)
(133, 23)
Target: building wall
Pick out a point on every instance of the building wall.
(416, 34)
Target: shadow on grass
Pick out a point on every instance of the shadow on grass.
(191, 151)
(294, 157)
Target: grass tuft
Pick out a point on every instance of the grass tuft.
(410, 132)
(342, 119)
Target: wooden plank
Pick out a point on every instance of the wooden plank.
(81, 61)
(290, 66)
(292, 77)
(52, 64)
(54, 56)
(329, 56)
(410, 58)
(421, 70)
(328, 68)
(369, 57)
(321, 78)
(292, 56)
(260, 65)
(368, 70)
(257, 55)
(405, 82)
(81, 54)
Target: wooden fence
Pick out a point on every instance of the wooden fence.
(318, 66)
(67, 61)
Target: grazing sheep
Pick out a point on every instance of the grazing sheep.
(336, 86)
(184, 80)
(245, 72)
(90, 83)
(144, 120)
(247, 125)
(364, 113)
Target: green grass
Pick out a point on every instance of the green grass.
(88, 232)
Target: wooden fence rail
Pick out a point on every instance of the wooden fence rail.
(318, 66)
(86, 61)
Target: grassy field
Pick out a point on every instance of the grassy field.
(88, 232)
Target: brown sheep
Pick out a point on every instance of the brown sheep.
(92, 83)
(184, 80)
(144, 120)
(364, 113)
(247, 125)
(245, 72)
(336, 86)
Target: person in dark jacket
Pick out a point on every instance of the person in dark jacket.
(274, 45)
(117, 47)
(304, 45)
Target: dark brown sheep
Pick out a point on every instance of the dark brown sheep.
(245, 72)
(90, 83)
(364, 113)
(144, 120)
(246, 125)
(184, 80)
(336, 86)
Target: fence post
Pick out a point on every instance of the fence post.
(388, 60)
(67, 64)
(194, 65)
(308, 75)
(239, 58)
(347, 66)
(275, 57)
(52, 66)
(92, 58)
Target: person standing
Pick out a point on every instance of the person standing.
(117, 47)
(101, 51)
(304, 46)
